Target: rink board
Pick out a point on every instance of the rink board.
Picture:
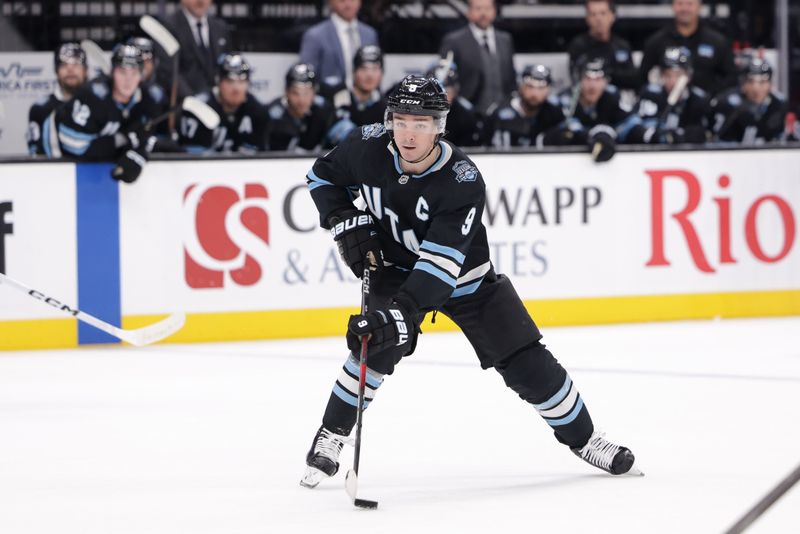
(236, 244)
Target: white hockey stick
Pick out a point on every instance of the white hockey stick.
(204, 113)
(139, 337)
(171, 47)
(159, 34)
(96, 56)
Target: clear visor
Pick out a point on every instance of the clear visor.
(424, 124)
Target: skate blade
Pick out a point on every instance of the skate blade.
(312, 477)
(634, 471)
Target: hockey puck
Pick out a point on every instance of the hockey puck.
(363, 503)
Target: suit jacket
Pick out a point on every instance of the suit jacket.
(466, 56)
(196, 73)
(321, 48)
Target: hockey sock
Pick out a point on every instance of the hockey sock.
(537, 377)
(340, 414)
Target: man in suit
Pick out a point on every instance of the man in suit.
(203, 38)
(485, 57)
(331, 45)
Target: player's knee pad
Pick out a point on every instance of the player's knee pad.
(533, 373)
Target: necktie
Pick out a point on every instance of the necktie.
(486, 42)
(200, 40)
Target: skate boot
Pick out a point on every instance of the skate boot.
(609, 457)
(322, 460)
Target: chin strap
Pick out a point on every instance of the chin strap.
(400, 154)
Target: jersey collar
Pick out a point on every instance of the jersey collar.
(444, 157)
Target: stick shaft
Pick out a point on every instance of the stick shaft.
(768, 500)
(362, 379)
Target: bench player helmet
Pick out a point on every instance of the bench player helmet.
(758, 68)
(676, 57)
(539, 75)
(70, 53)
(417, 95)
(301, 73)
(127, 56)
(368, 54)
(145, 45)
(233, 66)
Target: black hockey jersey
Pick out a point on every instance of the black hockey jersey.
(86, 125)
(464, 125)
(37, 115)
(428, 224)
(243, 131)
(508, 126)
(616, 53)
(606, 112)
(310, 132)
(686, 122)
(737, 119)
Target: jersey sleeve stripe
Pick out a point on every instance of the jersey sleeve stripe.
(315, 181)
(75, 134)
(443, 250)
(446, 264)
(431, 269)
(467, 289)
(475, 274)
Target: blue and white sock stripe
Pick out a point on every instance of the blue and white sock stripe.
(563, 407)
(346, 387)
(470, 281)
(315, 181)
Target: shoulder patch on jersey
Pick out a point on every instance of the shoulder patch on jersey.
(612, 89)
(698, 91)
(204, 97)
(705, 50)
(505, 114)
(465, 103)
(372, 130)
(100, 89)
(156, 93)
(734, 99)
(319, 100)
(553, 99)
(621, 56)
(654, 88)
(276, 111)
(465, 171)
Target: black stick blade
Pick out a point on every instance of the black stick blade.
(367, 505)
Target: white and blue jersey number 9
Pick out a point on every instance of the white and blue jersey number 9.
(465, 228)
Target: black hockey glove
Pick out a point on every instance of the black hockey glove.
(387, 327)
(603, 146)
(355, 235)
(129, 166)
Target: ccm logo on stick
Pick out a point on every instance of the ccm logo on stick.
(227, 234)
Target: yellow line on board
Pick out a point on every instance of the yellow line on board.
(284, 324)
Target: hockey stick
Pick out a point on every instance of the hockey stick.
(171, 47)
(204, 113)
(139, 337)
(674, 96)
(351, 480)
(96, 56)
(766, 502)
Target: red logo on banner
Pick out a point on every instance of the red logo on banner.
(227, 232)
(703, 258)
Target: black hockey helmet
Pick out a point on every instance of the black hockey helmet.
(368, 54)
(444, 71)
(590, 67)
(70, 53)
(232, 66)
(758, 68)
(301, 73)
(145, 45)
(537, 75)
(418, 95)
(124, 55)
(676, 57)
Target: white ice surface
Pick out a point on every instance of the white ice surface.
(211, 438)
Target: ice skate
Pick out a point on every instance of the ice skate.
(611, 458)
(322, 460)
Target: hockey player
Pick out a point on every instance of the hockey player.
(532, 117)
(71, 73)
(423, 233)
(464, 125)
(753, 115)
(300, 120)
(106, 120)
(687, 120)
(149, 83)
(594, 114)
(243, 119)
